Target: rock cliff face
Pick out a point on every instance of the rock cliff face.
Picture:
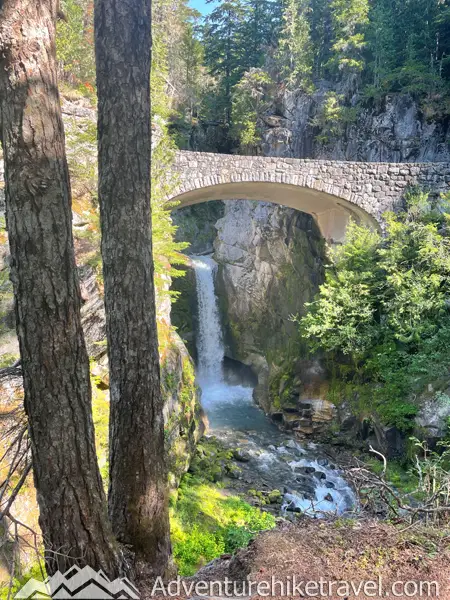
(270, 263)
(183, 416)
(395, 129)
(196, 225)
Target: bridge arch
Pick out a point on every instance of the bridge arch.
(331, 191)
(331, 212)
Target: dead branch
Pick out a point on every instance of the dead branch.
(378, 493)
(16, 490)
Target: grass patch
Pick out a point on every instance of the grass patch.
(205, 523)
(8, 359)
(36, 571)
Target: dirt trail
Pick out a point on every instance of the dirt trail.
(369, 553)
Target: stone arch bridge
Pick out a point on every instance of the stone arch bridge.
(331, 191)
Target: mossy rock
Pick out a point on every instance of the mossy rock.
(275, 497)
(233, 471)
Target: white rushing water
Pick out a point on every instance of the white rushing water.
(231, 412)
(209, 338)
(224, 404)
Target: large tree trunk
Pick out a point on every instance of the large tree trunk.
(55, 363)
(138, 501)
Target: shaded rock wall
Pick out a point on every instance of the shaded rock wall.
(184, 310)
(196, 225)
(270, 263)
(183, 416)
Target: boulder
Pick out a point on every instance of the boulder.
(233, 471)
(241, 455)
(305, 470)
(432, 421)
(275, 497)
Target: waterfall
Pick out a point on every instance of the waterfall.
(275, 460)
(227, 406)
(209, 339)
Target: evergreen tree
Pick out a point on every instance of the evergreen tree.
(321, 34)
(443, 39)
(260, 28)
(381, 40)
(295, 51)
(192, 58)
(382, 316)
(348, 20)
(250, 100)
(224, 50)
(138, 492)
(75, 43)
(55, 364)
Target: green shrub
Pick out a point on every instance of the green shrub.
(75, 44)
(382, 316)
(9, 589)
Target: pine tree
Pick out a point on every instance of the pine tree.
(321, 34)
(138, 493)
(261, 24)
(224, 50)
(381, 40)
(192, 57)
(249, 104)
(349, 17)
(55, 364)
(295, 50)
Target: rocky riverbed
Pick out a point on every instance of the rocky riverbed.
(271, 469)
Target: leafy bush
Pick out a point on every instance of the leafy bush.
(9, 589)
(382, 315)
(332, 117)
(167, 253)
(248, 104)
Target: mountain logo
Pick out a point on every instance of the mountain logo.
(85, 584)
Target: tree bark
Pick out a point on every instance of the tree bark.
(55, 364)
(138, 494)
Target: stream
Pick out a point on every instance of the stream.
(271, 459)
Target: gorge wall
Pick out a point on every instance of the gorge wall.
(394, 128)
(270, 263)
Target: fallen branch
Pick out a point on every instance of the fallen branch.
(379, 494)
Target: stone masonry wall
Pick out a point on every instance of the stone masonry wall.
(373, 187)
